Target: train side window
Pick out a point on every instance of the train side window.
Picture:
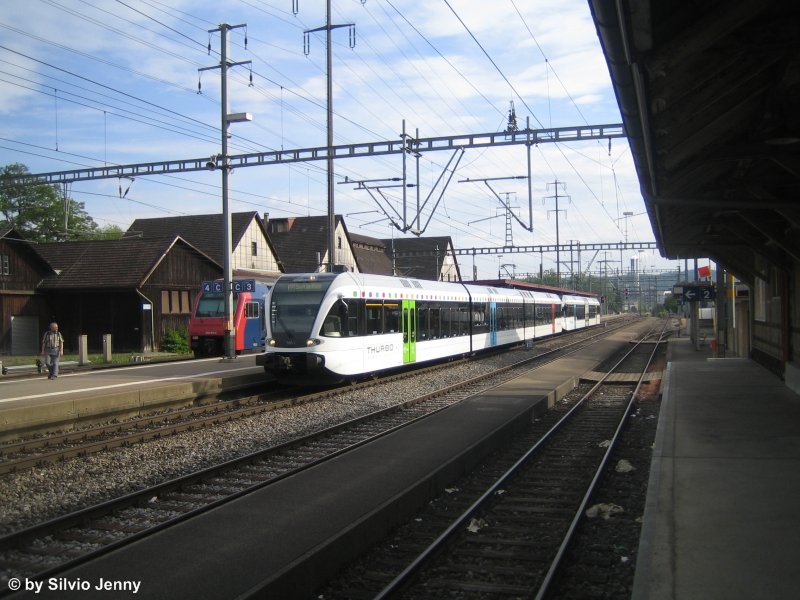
(422, 321)
(444, 321)
(501, 318)
(391, 317)
(252, 310)
(435, 325)
(480, 323)
(355, 319)
(374, 318)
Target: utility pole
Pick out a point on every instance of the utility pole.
(327, 28)
(224, 164)
(626, 216)
(572, 262)
(556, 185)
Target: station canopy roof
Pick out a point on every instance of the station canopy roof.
(710, 97)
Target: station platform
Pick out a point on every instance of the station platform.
(37, 404)
(287, 539)
(722, 517)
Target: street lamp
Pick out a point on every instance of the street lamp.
(226, 119)
(227, 248)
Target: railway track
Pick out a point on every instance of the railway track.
(48, 548)
(40, 450)
(505, 535)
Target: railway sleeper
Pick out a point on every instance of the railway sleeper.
(493, 588)
(488, 554)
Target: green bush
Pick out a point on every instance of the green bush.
(175, 341)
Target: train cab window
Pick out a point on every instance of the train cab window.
(343, 319)
(332, 326)
(252, 310)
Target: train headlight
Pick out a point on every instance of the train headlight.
(313, 342)
(271, 342)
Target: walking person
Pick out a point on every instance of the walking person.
(52, 349)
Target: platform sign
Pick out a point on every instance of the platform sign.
(698, 293)
(212, 286)
(240, 285)
(244, 285)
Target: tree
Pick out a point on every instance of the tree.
(671, 304)
(108, 232)
(37, 211)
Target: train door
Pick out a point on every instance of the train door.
(409, 331)
(493, 323)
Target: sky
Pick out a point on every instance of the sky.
(85, 83)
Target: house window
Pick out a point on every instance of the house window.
(5, 265)
(254, 248)
(175, 302)
(339, 242)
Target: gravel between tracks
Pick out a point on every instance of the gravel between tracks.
(45, 492)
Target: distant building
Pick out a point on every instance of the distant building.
(371, 255)
(302, 244)
(252, 249)
(133, 288)
(430, 258)
(424, 258)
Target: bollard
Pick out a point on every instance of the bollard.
(107, 347)
(83, 350)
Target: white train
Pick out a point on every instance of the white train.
(325, 327)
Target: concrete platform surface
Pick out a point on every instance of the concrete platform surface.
(722, 516)
(38, 403)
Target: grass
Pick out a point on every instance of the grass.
(122, 358)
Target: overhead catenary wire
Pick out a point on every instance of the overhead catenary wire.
(300, 107)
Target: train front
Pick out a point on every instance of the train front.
(294, 305)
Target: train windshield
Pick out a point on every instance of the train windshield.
(293, 309)
(212, 304)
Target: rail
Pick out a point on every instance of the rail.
(425, 557)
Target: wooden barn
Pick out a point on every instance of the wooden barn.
(252, 250)
(24, 310)
(133, 288)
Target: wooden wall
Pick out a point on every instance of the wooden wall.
(17, 288)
